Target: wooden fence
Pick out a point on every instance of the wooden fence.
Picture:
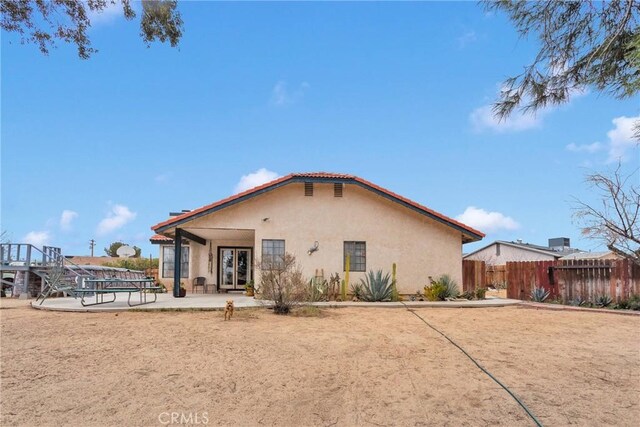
(473, 275)
(572, 279)
(565, 280)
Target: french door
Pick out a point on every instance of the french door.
(235, 268)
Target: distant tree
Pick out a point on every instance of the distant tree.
(593, 44)
(112, 250)
(134, 263)
(615, 220)
(44, 21)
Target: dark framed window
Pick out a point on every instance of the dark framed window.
(272, 252)
(168, 262)
(337, 189)
(358, 256)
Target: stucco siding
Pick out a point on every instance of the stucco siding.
(420, 246)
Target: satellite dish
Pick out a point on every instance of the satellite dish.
(125, 251)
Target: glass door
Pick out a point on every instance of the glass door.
(235, 268)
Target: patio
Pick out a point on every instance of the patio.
(206, 302)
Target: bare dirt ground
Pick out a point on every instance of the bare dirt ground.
(352, 366)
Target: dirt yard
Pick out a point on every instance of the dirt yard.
(347, 367)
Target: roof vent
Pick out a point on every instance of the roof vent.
(337, 189)
(308, 189)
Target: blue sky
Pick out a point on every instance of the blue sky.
(398, 94)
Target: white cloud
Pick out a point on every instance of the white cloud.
(37, 238)
(589, 148)
(255, 179)
(110, 13)
(115, 219)
(488, 222)
(483, 118)
(67, 218)
(281, 95)
(467, 38)
(621, 138)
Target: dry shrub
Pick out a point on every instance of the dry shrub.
(281, 281)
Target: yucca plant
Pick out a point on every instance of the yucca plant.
(376, 286)
(603, 300)
(539, 294)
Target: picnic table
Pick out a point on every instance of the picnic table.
(113, 286)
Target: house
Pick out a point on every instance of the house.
(500, 252)
(591, 256)
(319, 218)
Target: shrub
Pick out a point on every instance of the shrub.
(481, 293)
(441, 289)
(603, 301)
(539, 294)
(282, 283)
(435, 292)
(634, 302)
(376, 286)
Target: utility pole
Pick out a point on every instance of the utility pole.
(92, 244)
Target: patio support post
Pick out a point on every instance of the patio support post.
(177, 261)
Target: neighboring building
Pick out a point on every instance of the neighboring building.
(591, 255)
(319, 218)
(91, 260)
(500, 252)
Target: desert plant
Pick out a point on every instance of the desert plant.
(539, 294)
(318, 290)
(603, 301)
(467, 295)
(357, 291)
(334, 287)
(441, 288)
(435, 292)
(282, 282)
(376, 286)
(481, 293)
(577, 301)
(450, 284)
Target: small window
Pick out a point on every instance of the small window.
(337, 189)
(308, 188)
(497, 249)
(358, 256)
(272, 253)
(168, 262)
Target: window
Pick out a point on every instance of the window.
(168, 255)
(358, 254)
(272, 252)
(337, 189)
(308, 188)
(497, 249)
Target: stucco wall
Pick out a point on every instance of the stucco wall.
(507, 254)
(420, 246)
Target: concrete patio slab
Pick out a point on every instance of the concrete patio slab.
(217, 302)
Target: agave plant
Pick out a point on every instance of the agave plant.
(451, 286)
(603, 300)
(577, 301)
(357, 290)
(376, 286)
(539, 294)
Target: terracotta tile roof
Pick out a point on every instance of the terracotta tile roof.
(320, 175)
(160, 238)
